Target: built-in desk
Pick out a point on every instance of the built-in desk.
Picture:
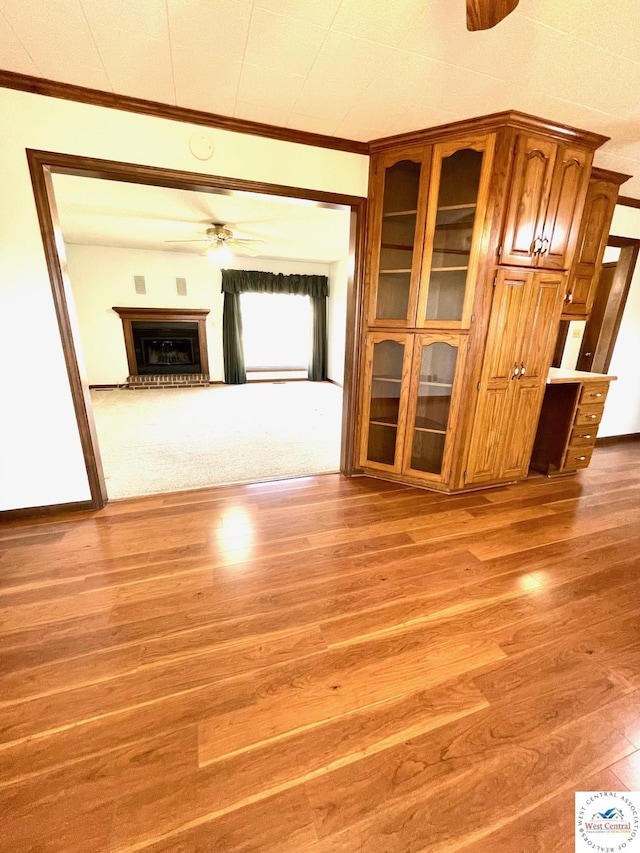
(569, 420)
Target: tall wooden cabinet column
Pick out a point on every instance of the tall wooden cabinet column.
(472, 227)
(602, 195)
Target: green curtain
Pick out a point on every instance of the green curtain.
(232, 350)
(318, 359)
(237, 282)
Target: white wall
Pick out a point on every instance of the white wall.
(337, 319)
(622, 409)
(40, 454)
(102, 277)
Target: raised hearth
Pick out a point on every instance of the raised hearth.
(166, 347)
(169, 380)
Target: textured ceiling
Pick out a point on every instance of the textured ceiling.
(358, 69)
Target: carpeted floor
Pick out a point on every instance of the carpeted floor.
(189, 438)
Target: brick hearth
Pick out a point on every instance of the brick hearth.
(175, 380)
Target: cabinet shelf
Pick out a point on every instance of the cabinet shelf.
(434, 384)
(458, 207)
(399, 213)
(400, 246)
(454, 226)
(393, 272)
(430, 429)
(386, 379)
(437, 251)
(448, 269)
(383, 422)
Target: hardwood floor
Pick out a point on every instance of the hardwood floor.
(322, 666)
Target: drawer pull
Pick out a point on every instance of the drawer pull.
(596, 395)
(580, 458)
(586, 436)
(591, 417)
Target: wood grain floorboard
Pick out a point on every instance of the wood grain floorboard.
(322, 665)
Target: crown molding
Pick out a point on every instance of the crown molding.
(488, 124)
(610, 176)
(111, 100)
(627, 201)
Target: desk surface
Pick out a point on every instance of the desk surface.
(558, 375)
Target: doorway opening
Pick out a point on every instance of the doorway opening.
(588, 345)
(44, 166)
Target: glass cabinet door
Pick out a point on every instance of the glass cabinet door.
(437, 364)
(457, 202)
(397, 238)
(387, 374)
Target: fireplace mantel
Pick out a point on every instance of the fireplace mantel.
(163, 315)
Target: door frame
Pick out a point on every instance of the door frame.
(607, 334)
(44, 164)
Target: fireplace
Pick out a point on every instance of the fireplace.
(165, 346)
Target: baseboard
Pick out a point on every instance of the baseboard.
(333, 382)
(34, 512)
(617, 439)
(104, 387)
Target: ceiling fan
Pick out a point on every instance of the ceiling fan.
(485, 14)
(222, 240)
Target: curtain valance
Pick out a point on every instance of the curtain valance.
(254, 281)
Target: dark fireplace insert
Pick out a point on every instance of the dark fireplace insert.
(166, 347)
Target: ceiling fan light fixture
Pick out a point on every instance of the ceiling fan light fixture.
(219, 254)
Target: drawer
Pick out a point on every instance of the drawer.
(594, 392)
(583, 436)
(577, 457)
(591, 415)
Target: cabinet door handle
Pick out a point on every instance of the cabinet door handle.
(537, 243)
(516, 370)
(522, 370)
(544, 248)
(568, 297)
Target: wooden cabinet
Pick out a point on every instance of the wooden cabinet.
(545, 201)
(413, 387)
(434, 400)
(384, 405)
(399, 184)
(568, 425)
(600, 203)
(471, 229)
(428, 206)
(524, 317)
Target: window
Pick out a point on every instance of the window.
(276, 330)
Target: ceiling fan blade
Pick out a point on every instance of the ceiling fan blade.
(249, 251)
(484, 14)
(246, 240)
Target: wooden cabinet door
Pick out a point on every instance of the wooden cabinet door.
(522, 331)
(540, 329)
(398, 204)
(592, 239)
(458, 189)
(539, 332)
(532, 175)
(562, 219)
(434, 402)
(501, 367)
(384, 400)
